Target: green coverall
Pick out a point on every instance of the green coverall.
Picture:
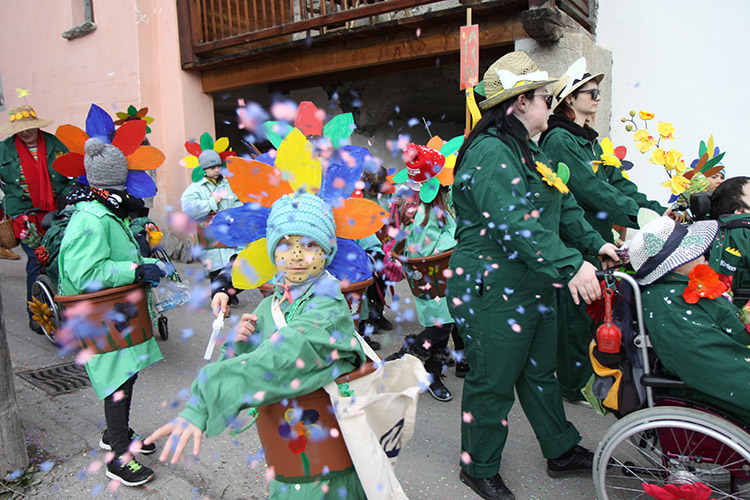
(509, 258)
(606, 198)
(319, 332)
(704, 344)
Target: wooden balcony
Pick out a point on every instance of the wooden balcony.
(234, 43)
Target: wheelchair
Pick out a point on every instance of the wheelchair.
(673, 440)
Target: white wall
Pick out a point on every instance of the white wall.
(687, 62)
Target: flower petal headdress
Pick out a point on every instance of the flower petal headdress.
(296, 169)
(428, 167)
(206, 143)
(127, 138)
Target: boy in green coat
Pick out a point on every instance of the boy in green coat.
(730, 253)
(267, 364)
(97, 252)
(703, 343)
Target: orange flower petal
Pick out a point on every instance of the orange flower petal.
(73, 137)
(358, 218)
(145, 158)
(256, 182)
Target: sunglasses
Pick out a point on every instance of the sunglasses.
(595, 93)
(547, 99)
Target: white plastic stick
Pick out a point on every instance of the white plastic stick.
(218, 324)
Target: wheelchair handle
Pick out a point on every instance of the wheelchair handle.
(609, 275)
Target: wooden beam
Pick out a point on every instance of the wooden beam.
(344, 56)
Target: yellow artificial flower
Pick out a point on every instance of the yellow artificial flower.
(643, 140)
(673, 162)
(677, 184)
(551, 177)
(42, 314)
(658, 157)
(665, 130)
(608, 154)
(25, 114)
(645, 115)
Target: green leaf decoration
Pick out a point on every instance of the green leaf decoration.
(479, 89)
(207, 141)
(339, 128)
(702, 149)
(452, 146)
(646, 215)
(273, 137)
(712, 162)
(148, 129)
(429, 190)
(132, 111)
(563, 172)
(401, 176)
(198, 174)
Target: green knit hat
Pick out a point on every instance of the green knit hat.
(303, 215)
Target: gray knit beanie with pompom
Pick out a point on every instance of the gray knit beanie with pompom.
(106, 166)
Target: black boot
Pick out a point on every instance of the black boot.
(577, 460)
(490, 488)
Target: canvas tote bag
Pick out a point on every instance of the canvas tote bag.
(376, 417)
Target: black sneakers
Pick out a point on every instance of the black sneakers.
(382, 323)
(462, 369)
(374, 344)
(129, 474)
(490, 488)
(577, 460)
(438, 389)
(146, 449)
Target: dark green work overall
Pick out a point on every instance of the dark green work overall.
(508, 260)
(606, 198)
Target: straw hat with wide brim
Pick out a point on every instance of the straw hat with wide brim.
(662, 246)
(511, 75)
(576, 71)
(22, 118)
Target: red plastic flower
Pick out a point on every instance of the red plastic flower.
(695, 491)
(704, 283)
(42, 256)
(298, 430)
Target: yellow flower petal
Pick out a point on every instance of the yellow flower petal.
(221, 144)
(657, 157)
(607, 146)
(645, 115)
(665, 130)
(611, 160)
(190, 162)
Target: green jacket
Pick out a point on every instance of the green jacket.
(318, 345)
(730, 253)
(16, 199)
(606, 196)
(704, 344)
(507, 216)
(423, 241)
(98, 251)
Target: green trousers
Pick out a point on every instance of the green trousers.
(574, 332)
(506, 318)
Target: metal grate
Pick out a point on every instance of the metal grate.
(57, 379)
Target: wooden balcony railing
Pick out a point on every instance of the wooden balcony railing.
(223, 24)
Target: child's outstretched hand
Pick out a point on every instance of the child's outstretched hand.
(246, 328)
(220, 304)
(180, 431)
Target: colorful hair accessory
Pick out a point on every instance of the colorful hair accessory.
(127, 138)
(206, 143)
(133, 114)
(428, 167)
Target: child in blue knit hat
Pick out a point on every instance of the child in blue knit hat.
(269, 362)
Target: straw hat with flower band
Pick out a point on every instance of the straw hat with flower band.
(663, 245)
(572, 80)
(510, 76)
(22, 117)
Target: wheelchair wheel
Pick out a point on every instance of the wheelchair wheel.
(163, 325)
(43, 290)
(672, 445)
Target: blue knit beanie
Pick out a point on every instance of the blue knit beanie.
(303, 215)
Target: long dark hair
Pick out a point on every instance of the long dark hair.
(509, 126)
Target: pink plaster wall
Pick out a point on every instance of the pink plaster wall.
(132, 58)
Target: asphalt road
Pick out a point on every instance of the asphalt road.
(63, 431)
